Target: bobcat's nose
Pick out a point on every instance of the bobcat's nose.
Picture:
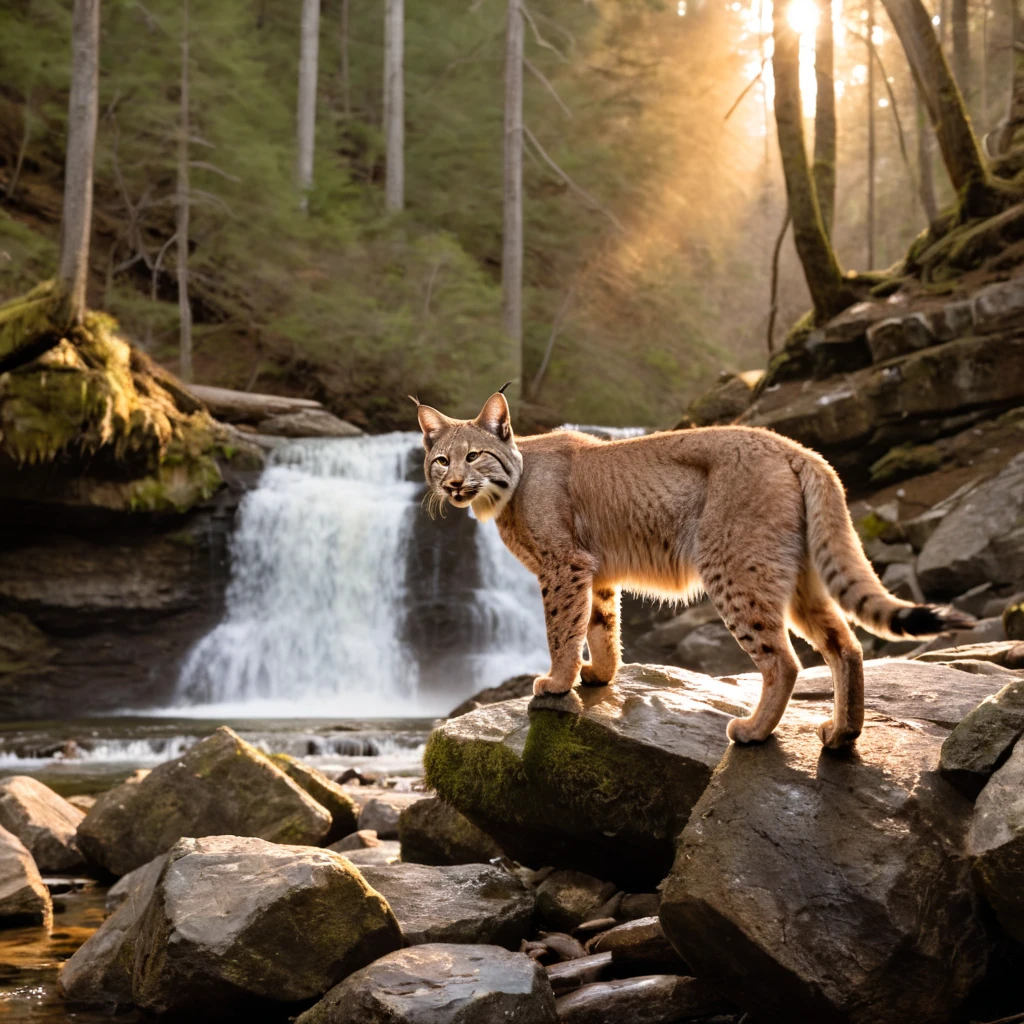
(453, 486)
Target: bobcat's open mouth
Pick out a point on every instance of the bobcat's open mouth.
(462, 498)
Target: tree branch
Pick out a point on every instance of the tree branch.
(559, 317)
(542, 78)
(205, 166)
(750, 85)
(541, 41)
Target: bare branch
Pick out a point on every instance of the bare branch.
(430, 287)
(203, 165)
(560, 29)
(543, 79)
(750, 85)
(541, 41)
(581, 192)
(774, 307)
(559, 317)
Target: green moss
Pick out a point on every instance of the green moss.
(872, 526)
(904, 461)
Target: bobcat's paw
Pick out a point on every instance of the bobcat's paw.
(546, 686)
(834, 739)
(590, 677)
(741, 730)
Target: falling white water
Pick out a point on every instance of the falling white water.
(316, 608)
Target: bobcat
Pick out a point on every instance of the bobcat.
(757, 521)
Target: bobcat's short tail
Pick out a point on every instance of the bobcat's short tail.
(837, 555)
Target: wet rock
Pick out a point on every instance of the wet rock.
(805, 882)
(655, 999)
(385, 852)
(342, 808)
(510, 689)
(712, 649)
(238, 922)
(606, 791)
(996, 841)
(981, 539)
(441, 984)
(45, 822)
(571, 974)
(565, 899)
(363, 840)
(307, 423)
(433, 832)
(466, 903)
(984, 739)
(99, 974)
(24, 899)
(898, 336)
(221, 786)
(639, 947)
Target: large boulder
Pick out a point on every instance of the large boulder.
(996, 840)
(984, 739)
(565, 899)
(45, 822)
(441, 984)
(238, 922)
(980, 540)
(99, 974)
(606, 790)
(654, 999)
(221, 786)
(806, 882)
(433, 832)
(23, 896)
(328, 794)
(466, 903)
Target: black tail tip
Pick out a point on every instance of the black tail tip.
(929, 620)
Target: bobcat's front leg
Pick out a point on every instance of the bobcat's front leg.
(603, 637)
(566, 593)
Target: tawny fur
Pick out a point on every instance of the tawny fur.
(757, 521)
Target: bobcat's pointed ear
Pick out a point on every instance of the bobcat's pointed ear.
(432, 423)
(495, 417)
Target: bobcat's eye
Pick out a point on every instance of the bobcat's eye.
(472, 456)
(441, 461)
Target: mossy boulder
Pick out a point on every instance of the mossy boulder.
(606, 790)
(221, 786)
(343, 809)
(240, 924)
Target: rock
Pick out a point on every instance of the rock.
(606, 791)
(510, 689)
(83, 801)
(433, 832)
(667, 635)
(571, 974)
(655, 999)
(901, 581)
(441, 984)
(241, 920)
(982, 632)
(565, 899)
(805, 884)
(382, 853)
(984, 739)
(832, 352)
(953, 320)
(1007, 654)
(24, 899)
(905, 460)
(307, 423)
(220, 786)
(639, 904)
(639, 947)
(998, 302)
(99, 973)
(137, 885)
(975, 600)
(724, 402)
(882, 554)
(1013, 621)
(712, 649)
(998, 605)
(996, 841)
(363, 840)
(329, 795)
(981, 540)
(45, 822)
(380, 816)
(465, 903)
(898, 336)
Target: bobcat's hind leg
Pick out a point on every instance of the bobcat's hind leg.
(603, 638)
(566, 594)
(817, 618)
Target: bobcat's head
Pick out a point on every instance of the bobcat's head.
(471, 462)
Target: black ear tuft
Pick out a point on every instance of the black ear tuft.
(501, 390)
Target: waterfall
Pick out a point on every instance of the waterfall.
(317, 607)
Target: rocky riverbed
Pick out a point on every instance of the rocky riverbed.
(606, 859)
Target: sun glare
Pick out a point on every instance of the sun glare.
(803, 17)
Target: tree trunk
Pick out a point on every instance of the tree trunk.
(308, 56)
(183, 202)
(938, 89)
(346, 89)
(925, 169)
(512, 241)
(83, 113)
(821, 269)
(825, 116)
(1012, 134)
(961, 47)
(394, 105)
(870, 219)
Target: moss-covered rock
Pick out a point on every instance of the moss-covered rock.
(905, 460)
(606, 790)
(221, 786)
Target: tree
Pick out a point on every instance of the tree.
(394, 105)
(308, 57)
(83, 114)
(1012, 133)
(346, 88)
(512, 236)
(825, 116)
(942, 98)
(183, 199)
(829, 292)
(961, 46)
(870, 214)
